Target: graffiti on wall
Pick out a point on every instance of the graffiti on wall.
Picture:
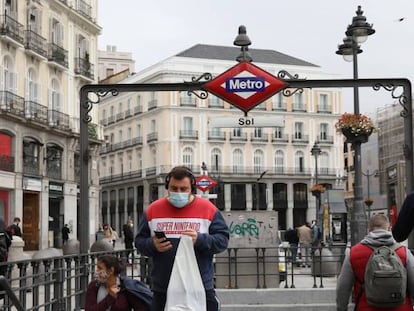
(252, 229)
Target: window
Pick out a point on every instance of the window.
(323, 102)
(324, 163)
(237, 160)
(187, 156)
(298, 130)
(215, 161)
(237, 132)
(279, 162)
(299, 162)
(120, 136)
(258, 132)
(187, 125)
(32, 88)
(323, 132)
(9, 77)
(129, 133)
(258, 161)
(120, 107)
(279, 132)
(56, 32)
(55, 97)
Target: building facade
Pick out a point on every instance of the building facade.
(146, 134)
(48, 51)
(112, 62)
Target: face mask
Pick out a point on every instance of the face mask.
(178, 199)
(101, 276)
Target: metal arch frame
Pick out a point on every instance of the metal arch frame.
(293, 85)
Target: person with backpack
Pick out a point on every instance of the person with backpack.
(110, 291)
(5, 242)
(380, 271)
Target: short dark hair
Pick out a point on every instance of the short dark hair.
(179, 173)
(16, 219)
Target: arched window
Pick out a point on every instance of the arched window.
(279, 162)
(188, 156)
(299, 162)
(237, 160)
(258, 161)
(215, 160)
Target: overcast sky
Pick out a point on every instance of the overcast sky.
(307, 29)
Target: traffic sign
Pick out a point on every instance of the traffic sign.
(205, 183)
(245, 86)
(274, 121)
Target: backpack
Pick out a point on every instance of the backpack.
(385, 282)
(138, 289)
(5, 242)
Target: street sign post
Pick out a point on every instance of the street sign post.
(231, 122)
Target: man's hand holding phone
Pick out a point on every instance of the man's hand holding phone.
(161, 243)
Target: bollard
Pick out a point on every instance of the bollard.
(71, 247)
(101, 246)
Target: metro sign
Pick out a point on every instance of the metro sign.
(205, 183)
(245, 86)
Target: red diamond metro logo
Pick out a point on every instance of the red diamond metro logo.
(245, 86)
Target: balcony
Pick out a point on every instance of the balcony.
(36, 44)
(11, 30)
(300, 107)
(216, 136)
(58, 119)
(30, 165)
(35, 112)
(280, 138)
(11, 103)
(216, 102)
(324, 108)
(58, 55)
(84, 9)
(259, 139)
(53, 169)
(300, 139)
(152, 104)
(188, 134)
(279, 106)
(152, 137)
(137, 110)
(84, 68)
(239, 137)
(325, 139)
(128, 113)
(111, 119)
(119, 116)
(187, 102)
(6, 163)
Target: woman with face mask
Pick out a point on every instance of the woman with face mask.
(106, 292)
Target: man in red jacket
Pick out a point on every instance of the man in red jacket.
(353, 268)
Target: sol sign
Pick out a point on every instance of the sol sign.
(245, 86)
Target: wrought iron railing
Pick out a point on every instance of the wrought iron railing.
(55, 283)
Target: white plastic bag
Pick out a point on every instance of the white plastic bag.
(185, 290)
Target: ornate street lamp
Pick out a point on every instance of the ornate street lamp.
(356, 33)
(368, 201)
(316, 152)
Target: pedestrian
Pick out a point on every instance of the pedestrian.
(5, 242)
(291, 236)
(405, 220)
(305, 242)
(107, 229)
(114, 237)
(316, 236)
(100, 234)
(106, 292)
(356, 260)
(128, 231)
(65, 234)
(14, 228)
(181, 213)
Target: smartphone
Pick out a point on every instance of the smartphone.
(160, 234)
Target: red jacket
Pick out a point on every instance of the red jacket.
(359, 256)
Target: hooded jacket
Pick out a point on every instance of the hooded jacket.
(350, 272)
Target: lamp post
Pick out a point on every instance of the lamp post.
(257, 190)
(316, 151)
(368, 201)
(356, 33)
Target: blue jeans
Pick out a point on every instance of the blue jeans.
(293, 251)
